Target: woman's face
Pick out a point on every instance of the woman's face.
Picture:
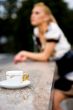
(38, 16)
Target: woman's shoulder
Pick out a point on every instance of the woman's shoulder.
(53, 25)
(53, 31)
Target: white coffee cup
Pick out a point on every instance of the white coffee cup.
(14, 74)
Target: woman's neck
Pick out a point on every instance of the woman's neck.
(43, 28)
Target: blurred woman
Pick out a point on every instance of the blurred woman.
(52, 45)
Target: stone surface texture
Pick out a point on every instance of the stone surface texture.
(37, 96)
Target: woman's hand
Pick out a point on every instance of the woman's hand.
(20, 57)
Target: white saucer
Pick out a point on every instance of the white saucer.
(14, 83)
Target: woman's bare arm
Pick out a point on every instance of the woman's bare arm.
(42, 56)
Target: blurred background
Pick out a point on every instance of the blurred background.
(16, 30)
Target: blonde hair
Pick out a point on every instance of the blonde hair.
(47, 10)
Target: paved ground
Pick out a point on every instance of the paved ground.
(67, 104)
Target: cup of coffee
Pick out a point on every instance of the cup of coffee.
(17, 75)
(14, 74)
